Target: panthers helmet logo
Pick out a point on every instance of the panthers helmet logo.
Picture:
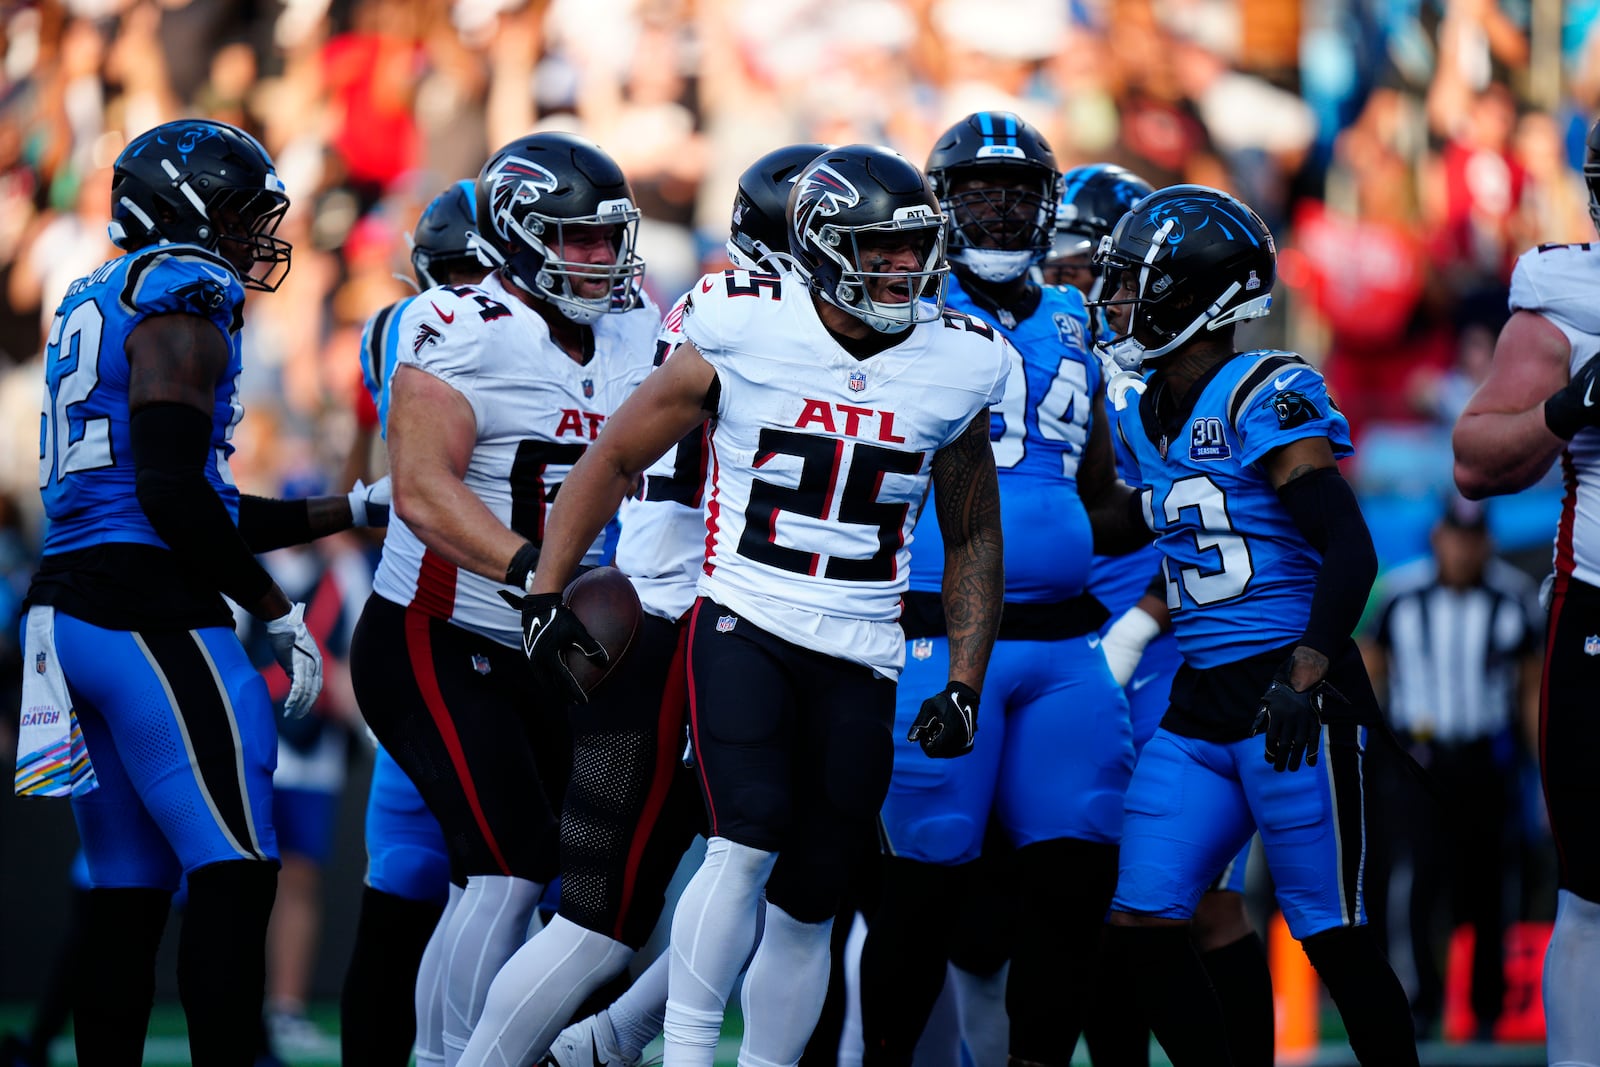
(184, 139)
(822, 192)
(1193, 214)
(515, 184)
(1293, 409)
(191, 137)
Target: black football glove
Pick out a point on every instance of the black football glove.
(1575, 405)
(947, 723)
(549, 628)
(1292, 721)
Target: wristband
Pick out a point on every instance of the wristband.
(522, 566)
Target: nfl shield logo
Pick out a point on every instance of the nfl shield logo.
(726, 623)
(922, 648)
(858, 381)
(480, 663)
(38, 663)
(588, 388)
(1591, 647)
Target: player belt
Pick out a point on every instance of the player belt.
(1083, 614)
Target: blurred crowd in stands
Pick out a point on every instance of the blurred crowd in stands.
(1403, 153)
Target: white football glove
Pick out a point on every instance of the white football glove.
(297, 653)
(369, 504)
(1124, 643)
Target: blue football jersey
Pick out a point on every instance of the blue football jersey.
(1239, 574)
(86, 471)
(1038, 432)
(380, 340)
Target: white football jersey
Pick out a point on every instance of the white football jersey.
(820, 462)
(1561, 283)
(536, 410)
(663, 539)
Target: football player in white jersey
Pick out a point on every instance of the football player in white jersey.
(1538, 403)
(836, 403)
(500, 387)
(632, 808)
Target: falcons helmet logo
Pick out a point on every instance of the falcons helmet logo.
(822, 192)
(514, 184)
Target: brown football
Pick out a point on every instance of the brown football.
(605, 602)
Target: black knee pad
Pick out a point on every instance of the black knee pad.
(815, 867)
(808, 887)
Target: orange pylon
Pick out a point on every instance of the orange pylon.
(1296, 991)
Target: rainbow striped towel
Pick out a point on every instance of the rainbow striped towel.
(52, 759)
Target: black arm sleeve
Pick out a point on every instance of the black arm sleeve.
(266, 524)
(1324, 508)
(171, 447)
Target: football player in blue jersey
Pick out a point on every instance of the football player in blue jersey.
(383, 1006)
(127, 628)
(1055, 753)
(1267, 564)
(1143, 656)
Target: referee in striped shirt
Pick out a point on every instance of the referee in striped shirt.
(1456, 650)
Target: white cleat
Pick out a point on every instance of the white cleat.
(588, 1042)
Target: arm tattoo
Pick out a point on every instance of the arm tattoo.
(1300, 472)
(1307, 667)
(967, 495)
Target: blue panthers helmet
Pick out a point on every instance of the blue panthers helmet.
(1093, 198)
(1004, 223)
(1194, 258)
(443, 241)
(206, 183)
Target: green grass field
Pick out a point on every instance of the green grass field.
(168, 1046)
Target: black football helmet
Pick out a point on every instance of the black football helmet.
(860, 195)
(1194, 258)
(996, 233)
(442, 242)
(1591, 173)
(759, 231)
(1093, 198)
(530, 192)
(200, 182)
